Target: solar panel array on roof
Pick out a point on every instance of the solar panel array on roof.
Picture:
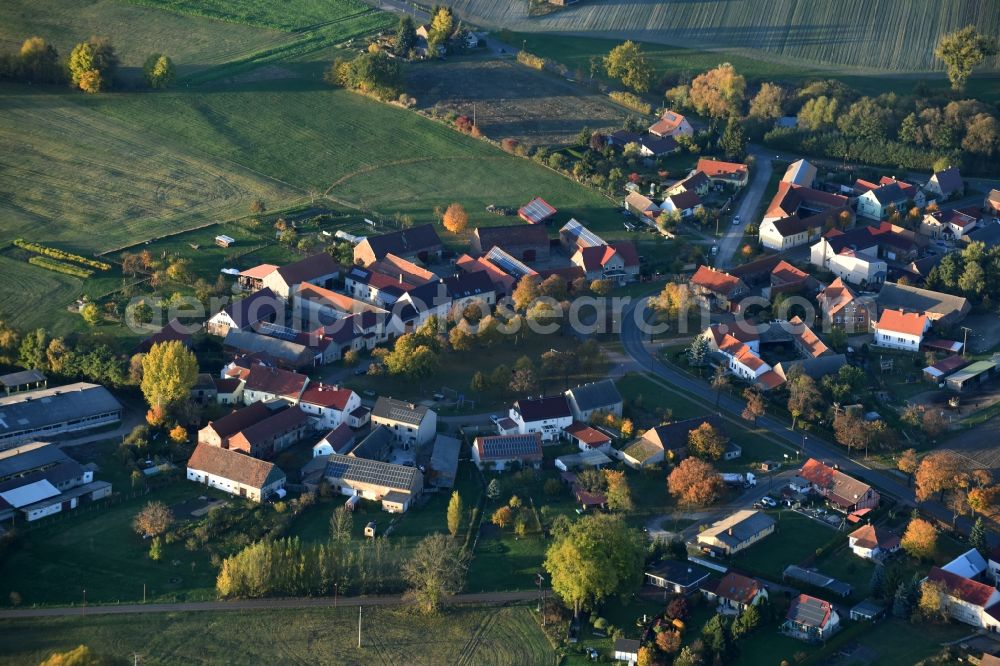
(278, 331)
(509, 264)
(810, 611)
(583, 236)
(509, 446)
(374, 472)
(537, 211)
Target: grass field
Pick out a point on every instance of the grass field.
(575, 52)
(889, 35)
(796, 537)
(461, 635)
(290, 15)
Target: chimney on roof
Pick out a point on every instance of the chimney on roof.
(730, 531)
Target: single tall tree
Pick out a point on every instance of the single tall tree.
(619, 493)
(920, 539)
(755, 405)
(961, 51)
(436, 568)
(455, 511)
(695, 482)
(153, 520)
(455, 218)
(159, 71)
(707, 442)
(938, 472)
(169, 371)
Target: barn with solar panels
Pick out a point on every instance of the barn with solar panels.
(499, 451)
(537, 211)
(395, 486)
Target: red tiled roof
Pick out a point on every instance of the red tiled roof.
(836, 296)
(738, 588)
(966, 589)
(258, 272)
(787, 273)
(719, 169)
(770, 380)
(840, 487)
(809, 340)
(716, 281)
(325, 395)
(901, 322)
(868, 536)
(627, 251)
(589, 436)
(275, 380)
(667, 123)
(736, 330)
(234, 466)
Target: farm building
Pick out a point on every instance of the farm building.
(173, 331)
(235, 473)
(536, 211)
(526, 243)
(319, 269)
(223, 240)
(39, 479)
(273, 434)
(376, 446)
(941, 309)
(219, 431)
(971, 376)
(945, 367)
(25, 380)
(54, 411)
(641, 206)
(443, 468)
(395, 486)
(587, 437)
(263, 305)
(600, 397)
(816, 579)
(286, 353)
(800, 173)
(586, 458)
(252, 279)
(421, 242)
(499, 451)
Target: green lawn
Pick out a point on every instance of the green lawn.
(465, 634)
(289, 15)
(796, 538)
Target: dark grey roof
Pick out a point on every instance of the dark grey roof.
(817, 579)
(30, 457)
(868, 608)
(684, 574)
(949, 180)
(596, 395)
(310, 268)
(889, 194)
(285, 351)
(397, 477)
(444, 460)
(658, 145)
(258, 306)
(512, 236)
(791, 225)
(373, 446)
(814, 367)
(465, 285)
(988, 234)
(914, 299)
(629, 645)
(739, 527)
(397, 410)
(540, 409)
(405, 243)
(15, 379)
(503, 447)
(31, 410)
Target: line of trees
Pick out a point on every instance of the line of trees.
(92, 65)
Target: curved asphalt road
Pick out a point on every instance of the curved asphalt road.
(887, 483)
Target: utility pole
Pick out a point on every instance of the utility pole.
(965, 340)
(144, 593)
(359, 627)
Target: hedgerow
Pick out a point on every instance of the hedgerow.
(60, 267)
(61, 255)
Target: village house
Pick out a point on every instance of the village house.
(464, 289)
(941, 309)
(896, 329)
(235, 473)
(331, 405)
(714, 288)
(395, 486)
(787, 232)
(742, 360)
(421, 242)
(266, 382)
(410, 423)
(384, 281)
(842, 308)
(873, 542)
(676, 576)
(316, 307)
(806, 342)
(734, 592)
(339, 440)
(641, 206)
(500, 451)
(547, 416)
(319, 269)
(244, 313)
(842, 492)
(788, 279)
(618, 262)
(588, 438)
(696, 182)
(668, 441)
(627, 650)
(672, 124)
(48, 412)
(724, 173)
(967, 600)
(949, 224)
(805, 202)
(736, 532)
(811, 619)
(685, 204)
(273, 434)
(536, 211)
(377, 445)
(851, 256)
(218, 431)
(529, 243)
(503, 283)
(801, 173)
(228, 390)
(991, 204)
(596, 398)
(877, 201)
(289, 349)
(946, 184)
(39, 479)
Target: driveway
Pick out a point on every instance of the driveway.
(746, 209)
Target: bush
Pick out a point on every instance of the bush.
(60, 254)
(60, 267)
(600, 624)
(631, 101)
(529, 60)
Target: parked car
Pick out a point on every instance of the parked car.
(736, 219)
(769, 502)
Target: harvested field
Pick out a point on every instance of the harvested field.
(513, 101)
(885, 35)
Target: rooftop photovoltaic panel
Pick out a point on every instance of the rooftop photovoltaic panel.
(581, 235)
(277, 331)
(537, 211)
(370, 471)
(509, 446)
(810, 612)
(406, 415)
(509, 264)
